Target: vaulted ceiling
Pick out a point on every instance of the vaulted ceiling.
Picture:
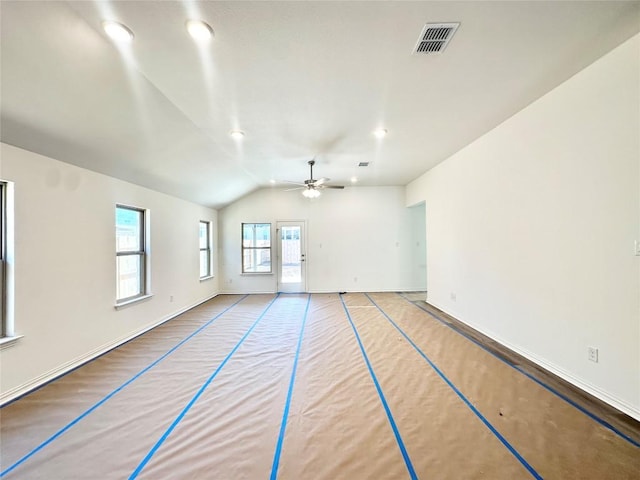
(302, 80)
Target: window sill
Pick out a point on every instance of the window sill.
(204, 279)
(126, 303)
(6, 342)
(251, 274)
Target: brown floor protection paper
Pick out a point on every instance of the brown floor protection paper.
(213, 408)
(557, 439)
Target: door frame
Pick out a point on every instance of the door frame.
(303, 253)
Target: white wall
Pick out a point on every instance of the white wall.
(532, 227)
(65, 265)
(358, 239)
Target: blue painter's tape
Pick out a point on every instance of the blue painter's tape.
(504, 441)
(387, 410)
(589, 414)
(114, 392)
(195, 398)
(285, 415)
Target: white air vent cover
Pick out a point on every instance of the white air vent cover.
(435, 37)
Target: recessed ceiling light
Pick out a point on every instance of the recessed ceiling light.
(272, 181)
(237, 134)
(199, 30)
(380, 133)
(354, 179)
(117, 31)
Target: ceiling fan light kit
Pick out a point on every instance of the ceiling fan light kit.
(311, 193)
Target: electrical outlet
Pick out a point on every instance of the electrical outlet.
(453, 296)
(171, 298)
(355, 279)
(636, 246)
(592, 354)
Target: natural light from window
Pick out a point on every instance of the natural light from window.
(256, 248)
(130, 254)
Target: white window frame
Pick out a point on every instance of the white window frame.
(3, 259)
(208, 249)
(143, 252)
(8, 335)
(256, 249)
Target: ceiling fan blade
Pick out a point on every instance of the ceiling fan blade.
(311, 183)
(320, 181)
(292, 183)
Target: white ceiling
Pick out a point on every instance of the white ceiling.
(302, 79)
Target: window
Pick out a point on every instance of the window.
(131, 255)
(256, 248)
(7, 262)
(3, 258)
(205, 249)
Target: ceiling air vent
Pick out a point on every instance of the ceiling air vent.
(435, 37)
(363, 164)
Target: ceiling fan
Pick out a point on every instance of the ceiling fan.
(311, 187)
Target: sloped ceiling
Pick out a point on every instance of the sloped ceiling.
(301, 79)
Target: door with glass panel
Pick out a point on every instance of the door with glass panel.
(291, 257)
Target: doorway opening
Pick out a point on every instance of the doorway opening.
(291, 257)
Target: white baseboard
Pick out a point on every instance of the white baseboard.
(597, 392)
(257, 292)
(40, 380)
(333, 290)
(376, 290)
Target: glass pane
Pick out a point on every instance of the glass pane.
(204, 263)
(256, 260)
(128, 230)
(2, 217)
(129, 275)
(2, 255)
(263, 235)
(247, 234)
(291, 259)
(256, 234)
(204, 234)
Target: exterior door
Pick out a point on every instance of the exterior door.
(291, 257)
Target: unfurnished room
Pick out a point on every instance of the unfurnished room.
(319, 240)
